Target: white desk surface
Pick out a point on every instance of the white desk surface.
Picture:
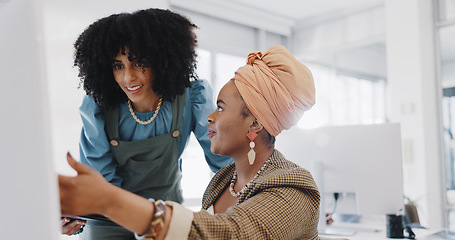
(372, 230)
(379, 235)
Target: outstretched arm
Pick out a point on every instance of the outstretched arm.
(89, 193)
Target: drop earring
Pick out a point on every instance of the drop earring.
(251, 153)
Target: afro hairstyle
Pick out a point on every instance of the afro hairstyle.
(164, 40)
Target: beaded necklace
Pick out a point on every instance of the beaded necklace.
(160, 101)
(234, 178)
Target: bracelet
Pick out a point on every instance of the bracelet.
(80, 230)
(158, 219)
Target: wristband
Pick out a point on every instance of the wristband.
(157, 224)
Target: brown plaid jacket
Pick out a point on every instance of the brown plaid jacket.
(282, 204)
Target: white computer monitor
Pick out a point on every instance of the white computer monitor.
(362, 160)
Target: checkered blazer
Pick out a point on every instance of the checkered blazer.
(283, 203)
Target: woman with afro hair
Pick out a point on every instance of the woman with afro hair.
(142, 103)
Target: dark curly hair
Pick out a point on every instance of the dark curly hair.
(163, 39)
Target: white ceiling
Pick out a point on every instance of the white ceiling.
(298, 10)
(302, 9)
(291, 10)
(294, 12)
(319, 10)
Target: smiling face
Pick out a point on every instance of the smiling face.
(135, 79)
(228, 124)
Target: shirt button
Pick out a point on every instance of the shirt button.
(176, 133)
(114, 143)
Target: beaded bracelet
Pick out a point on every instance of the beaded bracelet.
(157, 221)
(80, 230)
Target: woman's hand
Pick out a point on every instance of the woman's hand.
(87, 193)
(71, 226)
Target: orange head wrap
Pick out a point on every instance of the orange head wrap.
(276, 88)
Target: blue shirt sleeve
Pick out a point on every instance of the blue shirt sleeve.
(93, 146)
(202, 106)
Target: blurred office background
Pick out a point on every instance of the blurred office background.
(374, 61)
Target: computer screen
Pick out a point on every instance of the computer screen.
(362, 162)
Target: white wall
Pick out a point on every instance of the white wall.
(351, 42)
(338, 32)
(219, 35)
(446, 34)
(239, 14)
(405, 29)
(231, 30)
(415, 100)
(29, 205)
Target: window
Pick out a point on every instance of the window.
(344, 100)
(445, 34)
(196, 173)
(226, 65)
(204, 64)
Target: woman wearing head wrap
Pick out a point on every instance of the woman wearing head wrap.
(261, 196)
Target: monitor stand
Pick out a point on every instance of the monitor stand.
(323, 228)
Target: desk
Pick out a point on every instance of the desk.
(380, 235)
(375, 230)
